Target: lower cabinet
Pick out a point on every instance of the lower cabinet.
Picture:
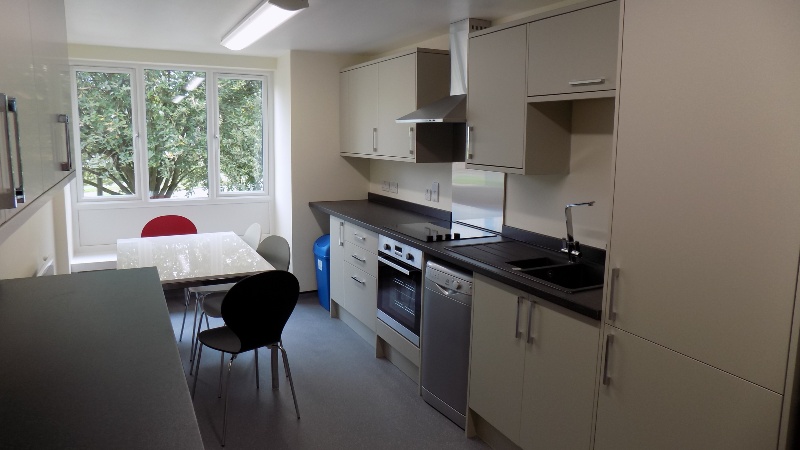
(360, 295)
(354, 270)
(654, 398)
(533, 368)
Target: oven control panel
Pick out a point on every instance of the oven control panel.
(400, 251)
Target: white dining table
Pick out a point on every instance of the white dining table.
(192, 258)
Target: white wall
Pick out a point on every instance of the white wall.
(23, 252)
(536, 202)
(317, 172)
(413, 180)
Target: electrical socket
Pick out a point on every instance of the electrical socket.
(435, 191)
(385, 186)
(427, 194)
(393, 187)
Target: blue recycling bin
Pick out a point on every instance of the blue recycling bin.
(322, 255)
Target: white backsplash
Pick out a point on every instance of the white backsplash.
(412, 181)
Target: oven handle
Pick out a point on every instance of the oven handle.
(394, 266)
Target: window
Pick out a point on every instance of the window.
(196, 134)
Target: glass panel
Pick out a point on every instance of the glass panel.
(105, 121)
(177, 156)
(241, 130)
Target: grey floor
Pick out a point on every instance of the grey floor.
(348, 398)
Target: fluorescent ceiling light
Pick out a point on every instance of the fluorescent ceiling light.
(270, 14)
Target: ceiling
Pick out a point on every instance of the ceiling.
(342, 26)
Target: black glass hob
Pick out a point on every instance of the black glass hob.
(439, 231)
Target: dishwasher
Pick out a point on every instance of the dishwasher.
(446, 321)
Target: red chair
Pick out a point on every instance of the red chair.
(169, 225)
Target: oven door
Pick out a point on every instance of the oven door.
(400, 296)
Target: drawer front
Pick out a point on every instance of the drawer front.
(361, 295)
(365, 239)
(358, 257)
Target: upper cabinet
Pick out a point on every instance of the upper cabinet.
(523, 77)
(376, 93)
(588, 38)
(34, 72)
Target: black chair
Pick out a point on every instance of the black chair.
(255, 311)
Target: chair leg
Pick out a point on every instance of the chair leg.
(221, 365)
(256, 353)
(196, 341)
(291, 383)
(285, 366)
(227, 396)
(197, 369)
(185, 309)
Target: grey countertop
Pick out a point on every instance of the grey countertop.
(379, 217)
(90, 361)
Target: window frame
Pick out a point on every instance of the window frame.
(140, 144)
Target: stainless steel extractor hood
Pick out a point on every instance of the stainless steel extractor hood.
(451, 109)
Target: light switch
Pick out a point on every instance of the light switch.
(385, 186)
(435, 191)
(393, 187)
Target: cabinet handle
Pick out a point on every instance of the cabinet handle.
(341, 234)
(374, 139)
(358, 236)
(358, 281)
(612, 292)
(411, 140)
(19, 191)
(587, 82)
(530, 320)
(606, 376)
(66, 166)
(469, 142)
(516, 326)
(7, 200)
(358, 259)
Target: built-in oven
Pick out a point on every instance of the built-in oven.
(400, 287)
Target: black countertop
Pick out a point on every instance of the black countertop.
(90, 361)
(379, 217)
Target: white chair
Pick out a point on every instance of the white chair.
(251, 236)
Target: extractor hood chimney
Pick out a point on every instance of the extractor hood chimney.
(451, 109)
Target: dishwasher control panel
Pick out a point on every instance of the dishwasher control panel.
(448, 278)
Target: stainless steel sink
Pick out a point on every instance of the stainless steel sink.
(570, 278)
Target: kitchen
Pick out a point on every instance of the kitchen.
(711, 227)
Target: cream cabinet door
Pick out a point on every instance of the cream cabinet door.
(497, 357)
(706, 191)
(16, 81)
(359, 127)
(397, 96)
(337, 260)
(52, 82)
(361, 295)
(496, 100)
(560, 373)
(574, 52)
(659, 399)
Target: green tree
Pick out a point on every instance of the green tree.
(177, 147)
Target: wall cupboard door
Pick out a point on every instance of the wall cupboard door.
(496, 99)
(360, 94)
(659, 399)
(497, 361)
(337, 260)
(589, 37)
(706, 191)
(397, 87)
(52, 86)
